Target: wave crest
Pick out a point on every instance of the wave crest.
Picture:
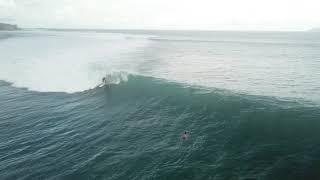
(115, 78)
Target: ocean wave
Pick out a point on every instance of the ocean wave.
(132, 130)
(61, 126)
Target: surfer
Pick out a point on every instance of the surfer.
(104, 82)
(185, 135)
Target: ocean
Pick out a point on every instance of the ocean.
(250, 102)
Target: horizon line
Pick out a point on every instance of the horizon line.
(154, 29)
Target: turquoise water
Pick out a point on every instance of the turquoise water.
(249, 100)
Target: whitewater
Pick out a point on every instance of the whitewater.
(271, 64)
(250, 101)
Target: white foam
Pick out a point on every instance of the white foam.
(63, 61)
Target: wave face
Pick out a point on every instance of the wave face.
(132, 130)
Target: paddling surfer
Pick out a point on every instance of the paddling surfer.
(185, 135)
